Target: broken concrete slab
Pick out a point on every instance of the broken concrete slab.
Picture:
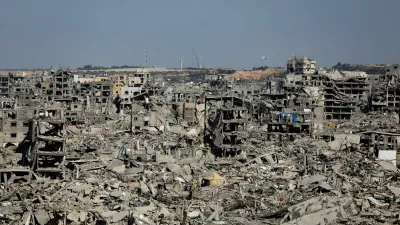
(144, 188)
(376, 202)
(217, 210)
(42, 217)
(388, 166)
(316, 204)
(82, 216)
(107, 214)
(142, 219)
(79, 187)
(116, 194)
(119, 169)
(134, 170)
(194, 214)
(92, 180)
(174, 168)
(119, 216)
(395, 190)
(145, 209)
(320, 217)
(343, 141)
(164, 211)
(326, 186)
(152, 189)
(73, 216)
(311, 179)
(117, 166)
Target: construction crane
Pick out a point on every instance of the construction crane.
(195, 59)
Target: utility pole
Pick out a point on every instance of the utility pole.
(201, 60)
(131, 128)
(145, 55)
(181, 63)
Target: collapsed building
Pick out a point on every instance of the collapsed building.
(331, 95)
(4, 86)
(385, 90)
(226, 122)
(315, 146)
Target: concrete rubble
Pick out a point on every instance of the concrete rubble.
(209, 154)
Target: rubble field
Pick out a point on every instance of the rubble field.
(114, 177)
(316, 147)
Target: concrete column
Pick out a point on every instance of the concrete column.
(88, 102)
(5, 181)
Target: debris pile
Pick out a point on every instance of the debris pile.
(115, 177)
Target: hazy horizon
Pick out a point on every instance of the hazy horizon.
(228, 34)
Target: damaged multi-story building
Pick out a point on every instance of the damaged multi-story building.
(343, 92)
(4, 86)
(385, 90)
(301, 65)
(327, 95)
(226, 122)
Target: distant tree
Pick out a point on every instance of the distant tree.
(370, 69)
(87, 67)
(261, 68)
(225, 71)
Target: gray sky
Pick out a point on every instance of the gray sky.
(231, 33)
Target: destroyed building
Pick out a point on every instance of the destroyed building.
(14, 125)
(313, 147)
(226, 121)
(61, 85)
(139, 78)
(385, 90)
(342, 93)
(301, 65)
(4, 86)
(46, 152)
(100, 93)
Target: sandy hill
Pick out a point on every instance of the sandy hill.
(256, 74)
